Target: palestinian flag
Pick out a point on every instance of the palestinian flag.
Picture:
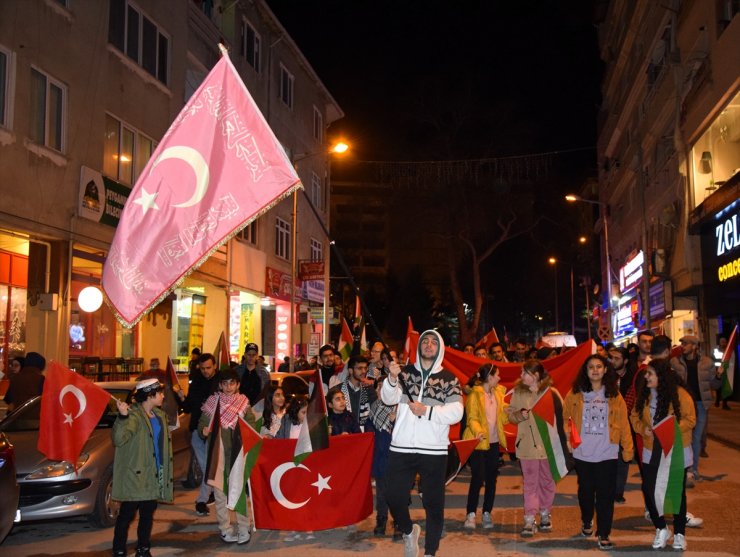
(669, 483)
(242, 467)
(346, 341)
(463, 448)
(314, 434)
(221, 353)
(728, 366)
(548, 416)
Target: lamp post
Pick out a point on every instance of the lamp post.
(338, 148)
(605, 217)
(554, 262)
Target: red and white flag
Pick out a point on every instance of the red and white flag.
(217, 168)
(412, 340)
(71, 407)
(331, 488)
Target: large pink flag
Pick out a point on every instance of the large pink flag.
(217, 168)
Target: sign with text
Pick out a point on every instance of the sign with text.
(277, 285)
(311, 270)
(720, 254)
(631, 273)
(101, 199)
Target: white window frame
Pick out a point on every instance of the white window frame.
(256, 60)
(140, 46)
(317, 197)
(318, 125)
(6, 120)
(287, 86)
(317, 250)
(134, 162)
(63, 124)
(282, 238)
(249, 234)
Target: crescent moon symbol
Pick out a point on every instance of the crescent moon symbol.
(78, 394)
(276, 476)
(199, 165)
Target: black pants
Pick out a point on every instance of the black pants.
(402, 468)
(126, 515)
(623, 471)
(381, 499)
(596, 487)
(649, 477)
(484, 468)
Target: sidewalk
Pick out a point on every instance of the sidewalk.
(724, 425)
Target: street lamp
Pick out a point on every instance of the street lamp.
(604, 208)
(338, 148)
(554, 262)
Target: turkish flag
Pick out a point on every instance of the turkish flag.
(329, 489)
(71, 407)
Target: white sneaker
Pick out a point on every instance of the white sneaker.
(679, 542)
(693, 521)
(243, 537)
(662, 537)
(229, 537)
(310, 535)
(411, 542)
(487, 521)
(292, 537)
(469, 521)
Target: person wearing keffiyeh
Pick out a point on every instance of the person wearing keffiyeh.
(229, 404)
(380, 422)
(358, 394)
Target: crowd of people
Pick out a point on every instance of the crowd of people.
(606, 420)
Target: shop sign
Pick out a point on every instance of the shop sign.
(311, 270)
(626, 317)
(727, 236)
(661, 302)
(101, 199)
(277, 285)
(720, 253)
(313, 290)
(631, 274)
(316, 313)
(314, 344)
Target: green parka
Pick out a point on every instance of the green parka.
(135, 474)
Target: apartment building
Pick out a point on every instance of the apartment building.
(87, 89)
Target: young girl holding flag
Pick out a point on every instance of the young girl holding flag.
(664, 416)
(598, 413)
(536, 408)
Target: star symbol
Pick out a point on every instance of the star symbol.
(322, 483)
(147, 200)
(68, 420)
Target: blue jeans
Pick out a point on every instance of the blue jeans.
(199, 450)
(701, 421)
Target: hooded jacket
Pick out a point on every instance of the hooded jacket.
(434, 387)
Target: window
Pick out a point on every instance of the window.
(47, 110)
(318, 125)
(286, 86)
(125, 151)
(282, 238)
(139, 38)
(249, 233)
(251, 45)
(317, 250)
(4, 86)
(317, 199)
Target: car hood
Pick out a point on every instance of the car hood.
(28, 458)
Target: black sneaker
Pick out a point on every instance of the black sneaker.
(201, 509)
(605, 544)
(587, 530)
(620, 499)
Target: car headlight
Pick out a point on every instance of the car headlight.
(57, 468)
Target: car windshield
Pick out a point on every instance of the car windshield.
(27, 417)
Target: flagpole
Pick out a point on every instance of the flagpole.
(293, 267)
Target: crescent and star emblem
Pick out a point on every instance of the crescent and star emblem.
(193, 159)
(79, 395)
(321, 484)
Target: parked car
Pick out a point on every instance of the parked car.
(8, 487)
(295, 383)
(52, 489)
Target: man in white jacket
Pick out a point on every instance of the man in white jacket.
(429, 401)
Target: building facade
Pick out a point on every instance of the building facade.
(669, 165)
(87, 88)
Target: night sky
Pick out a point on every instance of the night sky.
(510, 78)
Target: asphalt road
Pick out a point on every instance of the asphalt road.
(178, 532)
